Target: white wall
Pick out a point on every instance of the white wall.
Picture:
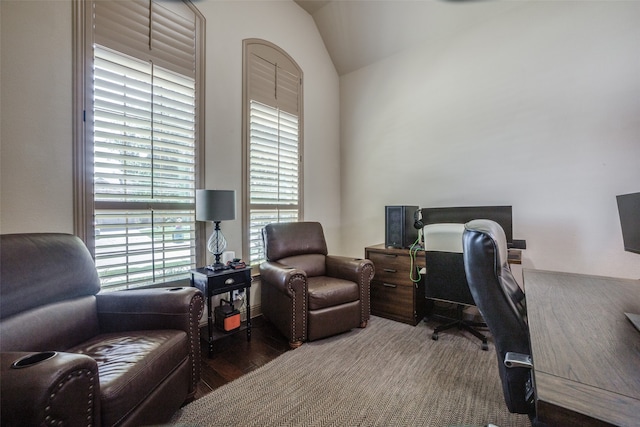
(291, 28)
(36, 168)
(35, 117)
(538, 108)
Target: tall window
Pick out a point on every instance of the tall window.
(272, 141)
(138, 160)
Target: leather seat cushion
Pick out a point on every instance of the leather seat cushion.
(327, 291)
(131, 365)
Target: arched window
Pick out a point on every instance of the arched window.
(272, 134)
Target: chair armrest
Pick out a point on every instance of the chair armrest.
(517, 360)
(284, 300)
(355, 269)
(157, 308)
(286, 280)
(64, 388)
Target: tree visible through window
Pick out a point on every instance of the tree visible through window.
(273, 142)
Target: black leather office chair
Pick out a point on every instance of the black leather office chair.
(445, 279)
(502, 304)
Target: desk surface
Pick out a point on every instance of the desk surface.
(586, 353)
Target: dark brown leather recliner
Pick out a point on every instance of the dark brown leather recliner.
(306, 293)
(72, 356)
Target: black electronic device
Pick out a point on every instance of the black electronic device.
(461, 215)
(226, 316)
(400, 231)
(236, 264)
(629, 212)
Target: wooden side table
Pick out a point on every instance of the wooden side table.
(219, 282)
(393, 294)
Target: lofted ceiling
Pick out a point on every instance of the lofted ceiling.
(358, 33)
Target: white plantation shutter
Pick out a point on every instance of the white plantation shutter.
(274, 171)
(144, 131)
(273, 156)
(144, 171)
(273, 99)
(145, 140)
(273, 79)
(158, 31)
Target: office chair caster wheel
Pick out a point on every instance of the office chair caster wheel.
(485, 346)
(434, 336)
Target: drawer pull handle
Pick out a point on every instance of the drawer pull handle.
(389, 285)
(390, 270)
(391, 255)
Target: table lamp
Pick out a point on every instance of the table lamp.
(216, 206)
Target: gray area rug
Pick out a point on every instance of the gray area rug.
(388, 374)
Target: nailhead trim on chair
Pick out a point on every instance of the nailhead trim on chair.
(194, 342)
(304, 309)
(49, 420)
(369, 268)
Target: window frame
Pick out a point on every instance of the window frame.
(83, 170)
(276, 55)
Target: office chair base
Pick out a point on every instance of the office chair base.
(460, 323)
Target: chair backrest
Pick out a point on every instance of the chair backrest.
(296, 244)
(501, 302)
(43, 268)
(48, 283)
(445, 278)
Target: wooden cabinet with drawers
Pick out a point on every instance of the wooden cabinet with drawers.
(393, 294)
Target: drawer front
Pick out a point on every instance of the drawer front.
(393, 268)
(393, 301)
(217, 283)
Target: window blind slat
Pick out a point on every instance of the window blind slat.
(122, 25)
(262, 81)
(172, 34)
(288, 88)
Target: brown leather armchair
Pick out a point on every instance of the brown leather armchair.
(72, 356)
(306, 293)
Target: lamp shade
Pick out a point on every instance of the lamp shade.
(215, 205)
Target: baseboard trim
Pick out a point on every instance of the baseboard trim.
(256, 310)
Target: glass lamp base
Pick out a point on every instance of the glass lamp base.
(216, 245)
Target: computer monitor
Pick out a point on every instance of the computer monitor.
(461, 215)
(629, 211)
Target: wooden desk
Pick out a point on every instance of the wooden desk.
(586, 354)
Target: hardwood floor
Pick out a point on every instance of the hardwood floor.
(234, 356)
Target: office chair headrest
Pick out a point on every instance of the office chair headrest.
(494, 231)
